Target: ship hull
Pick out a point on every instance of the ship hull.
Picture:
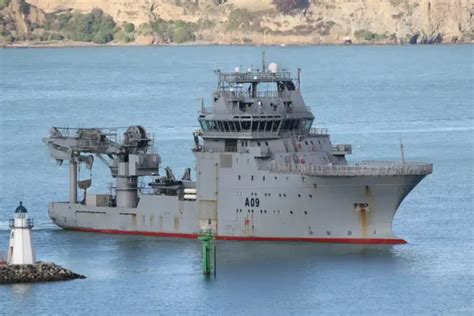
(356, 210)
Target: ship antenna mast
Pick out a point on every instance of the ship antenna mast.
(402, 152)
(299, 78)
(263, 60)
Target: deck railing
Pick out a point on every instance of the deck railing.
(372, 168)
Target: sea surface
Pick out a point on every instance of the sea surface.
(373, 97)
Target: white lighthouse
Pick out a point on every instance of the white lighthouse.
(20, 250)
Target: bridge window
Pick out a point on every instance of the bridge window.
(255, 125)
(220, 126)
(308, 123)
(268, 126)
(212, 126)
(226, 127)
(237, 126)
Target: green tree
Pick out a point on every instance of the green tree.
(102, 37)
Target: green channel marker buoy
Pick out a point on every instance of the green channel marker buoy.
(208, 252)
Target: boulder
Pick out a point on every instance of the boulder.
(37, 272)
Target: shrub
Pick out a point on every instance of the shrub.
(175, 31)
(4, 3)
(145, 29)
(183, 34)
(121, 36)
(55, 37)
(287, 6)
(369, 36)
(240, 19)
(94, 26)
(128, 27)
(24, 7)
(102, 37)
(9, 39)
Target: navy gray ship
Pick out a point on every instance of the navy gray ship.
(262, 172)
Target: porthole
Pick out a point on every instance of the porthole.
(251, 178)
(306, 142)
(279, 194)
(266, 143)
(305, 213)
(284, 194)
(238, 177)
(310, 196)
(291, 212)
(263, 178)
(276, 178)
(299, 195)
(349, 233)
(328, 233)
(258, 144)
(265, 211)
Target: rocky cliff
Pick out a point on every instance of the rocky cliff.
(237, 21)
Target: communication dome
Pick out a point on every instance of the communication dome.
(273, 68)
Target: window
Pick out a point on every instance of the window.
(212, 125)
(238, 127)
(226, 126)
(203, 125)
(255, 125)
(268, 126)
(291, 125)
(308, 123)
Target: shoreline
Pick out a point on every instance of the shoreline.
(27, 45)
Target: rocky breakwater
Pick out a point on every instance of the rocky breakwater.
(37, 272)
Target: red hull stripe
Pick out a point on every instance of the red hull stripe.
(378, 241)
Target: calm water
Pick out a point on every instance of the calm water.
(372, 97)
